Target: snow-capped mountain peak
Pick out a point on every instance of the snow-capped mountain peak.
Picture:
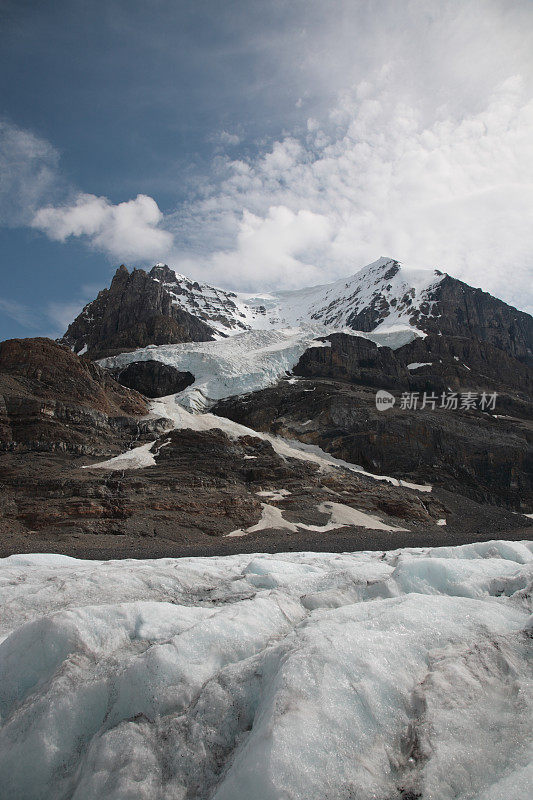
(381, 293)
(220, 308)
(163, 307)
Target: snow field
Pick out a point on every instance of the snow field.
(332, 304)
(297, 676)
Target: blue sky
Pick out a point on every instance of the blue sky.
(261, 144)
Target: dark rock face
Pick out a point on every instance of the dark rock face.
(57, 410)
(51, 400)
(353, 359)
(470, 453)
(134, 312)
(154, 379)
(463, 364)
(451, 363)
(471, 313)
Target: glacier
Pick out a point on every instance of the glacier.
(243, 363)
(302, 676)
(246, 361)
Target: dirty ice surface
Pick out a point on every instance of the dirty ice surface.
(298, 676)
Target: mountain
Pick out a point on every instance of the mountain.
(135, 311)
(386, 327)
(162, 307)
(382, 296)
(194, 414)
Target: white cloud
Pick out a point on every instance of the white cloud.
(28, 173)
(129, 230)
(30, 178)
(228, 138)
(276, 250)
(19, 312)
(373, 179)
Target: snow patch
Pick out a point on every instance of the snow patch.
(137, 458)
(278, 494)
(271, 519)
(340, 516)
(418, 364)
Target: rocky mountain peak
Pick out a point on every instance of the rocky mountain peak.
(164, 307)
(135, 311)
(163, 273)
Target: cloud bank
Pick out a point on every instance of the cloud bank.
(369, 179)
(372, 179)
(410, 136)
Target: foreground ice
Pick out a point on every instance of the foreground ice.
(310, 676)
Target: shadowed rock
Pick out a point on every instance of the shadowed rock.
(51, 400)
(134, 312)
(154, 379)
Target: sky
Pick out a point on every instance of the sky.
(261, 144)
